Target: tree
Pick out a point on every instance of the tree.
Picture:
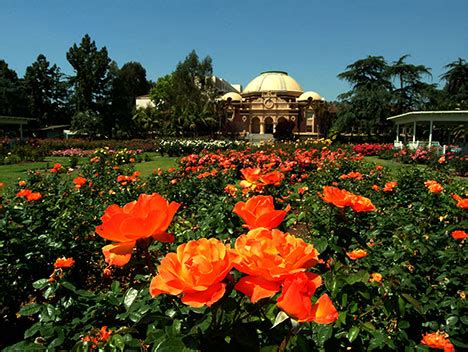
(186, 97)
(91, 79)
(88, 123)
(410, 94)
(13, 100)
(128, 83)
(456, 78)
(368, 102)
(324, 115)
(47, 92)
(367, 73)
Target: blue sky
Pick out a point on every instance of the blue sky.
(312, 40)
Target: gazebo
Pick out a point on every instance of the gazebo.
(440, 118)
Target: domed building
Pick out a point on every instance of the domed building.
(266, 101)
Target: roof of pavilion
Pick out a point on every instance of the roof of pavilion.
(440, 116)
(15, 120)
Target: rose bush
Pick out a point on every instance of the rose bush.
(337, 263)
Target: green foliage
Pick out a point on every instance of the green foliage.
(184, 100)
(456, 78)
(129, 82)
(91, 81)
(47, 92)
(13, 100)
(367, 104)
(87, 123)
(407, 238)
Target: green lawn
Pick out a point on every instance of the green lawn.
(392, 165)
(9, 174)
(164, 162)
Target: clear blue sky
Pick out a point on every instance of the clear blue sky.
(312, 40)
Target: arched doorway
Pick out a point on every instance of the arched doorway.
(269, 125)
(282, 119)
(255, 125)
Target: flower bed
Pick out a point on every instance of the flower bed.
(272, 248)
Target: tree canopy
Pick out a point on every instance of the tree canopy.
(47, 92)
(456, 86)
(185, 98)
(91, 80)
(13, 99)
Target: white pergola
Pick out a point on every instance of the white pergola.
(415, 117)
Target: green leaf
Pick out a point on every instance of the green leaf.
(414, 302)
(30, 309)
(40, 283)
(115, 287)
(32, 330)
(353, 333)
(360, 276)
(130, 297)
(69, 286)
(117, 342)
(320, 244)
(170, 345)
(280, 317)
(176, 326)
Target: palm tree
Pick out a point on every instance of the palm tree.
(410, 81)
(456, 76)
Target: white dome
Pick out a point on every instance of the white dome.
(307, 95)
(231, 95)
(276, 81)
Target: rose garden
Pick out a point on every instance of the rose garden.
(287, 246)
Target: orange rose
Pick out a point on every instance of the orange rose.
(376, 277)
(438, 340)
(33, 196)
(231, 190)
(24, 193)
(375, 188)
(268, 257)
(433, 186)
(353, 174)
(64, 262)
(196, 272)
(147, 217)
(342, 198)
(79, 181)
(251, 177)
(295, 298)
(29, 195)
(361, 204)
(459, 235)
(323, 311)
(357, 254)
(338, 197)
(461, 202)
(389, 186)
(272, 178)
(259, 211)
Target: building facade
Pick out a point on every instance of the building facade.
(267, 100)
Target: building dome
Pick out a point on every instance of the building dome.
(273, 81)
(309, 95)
(233, 96)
